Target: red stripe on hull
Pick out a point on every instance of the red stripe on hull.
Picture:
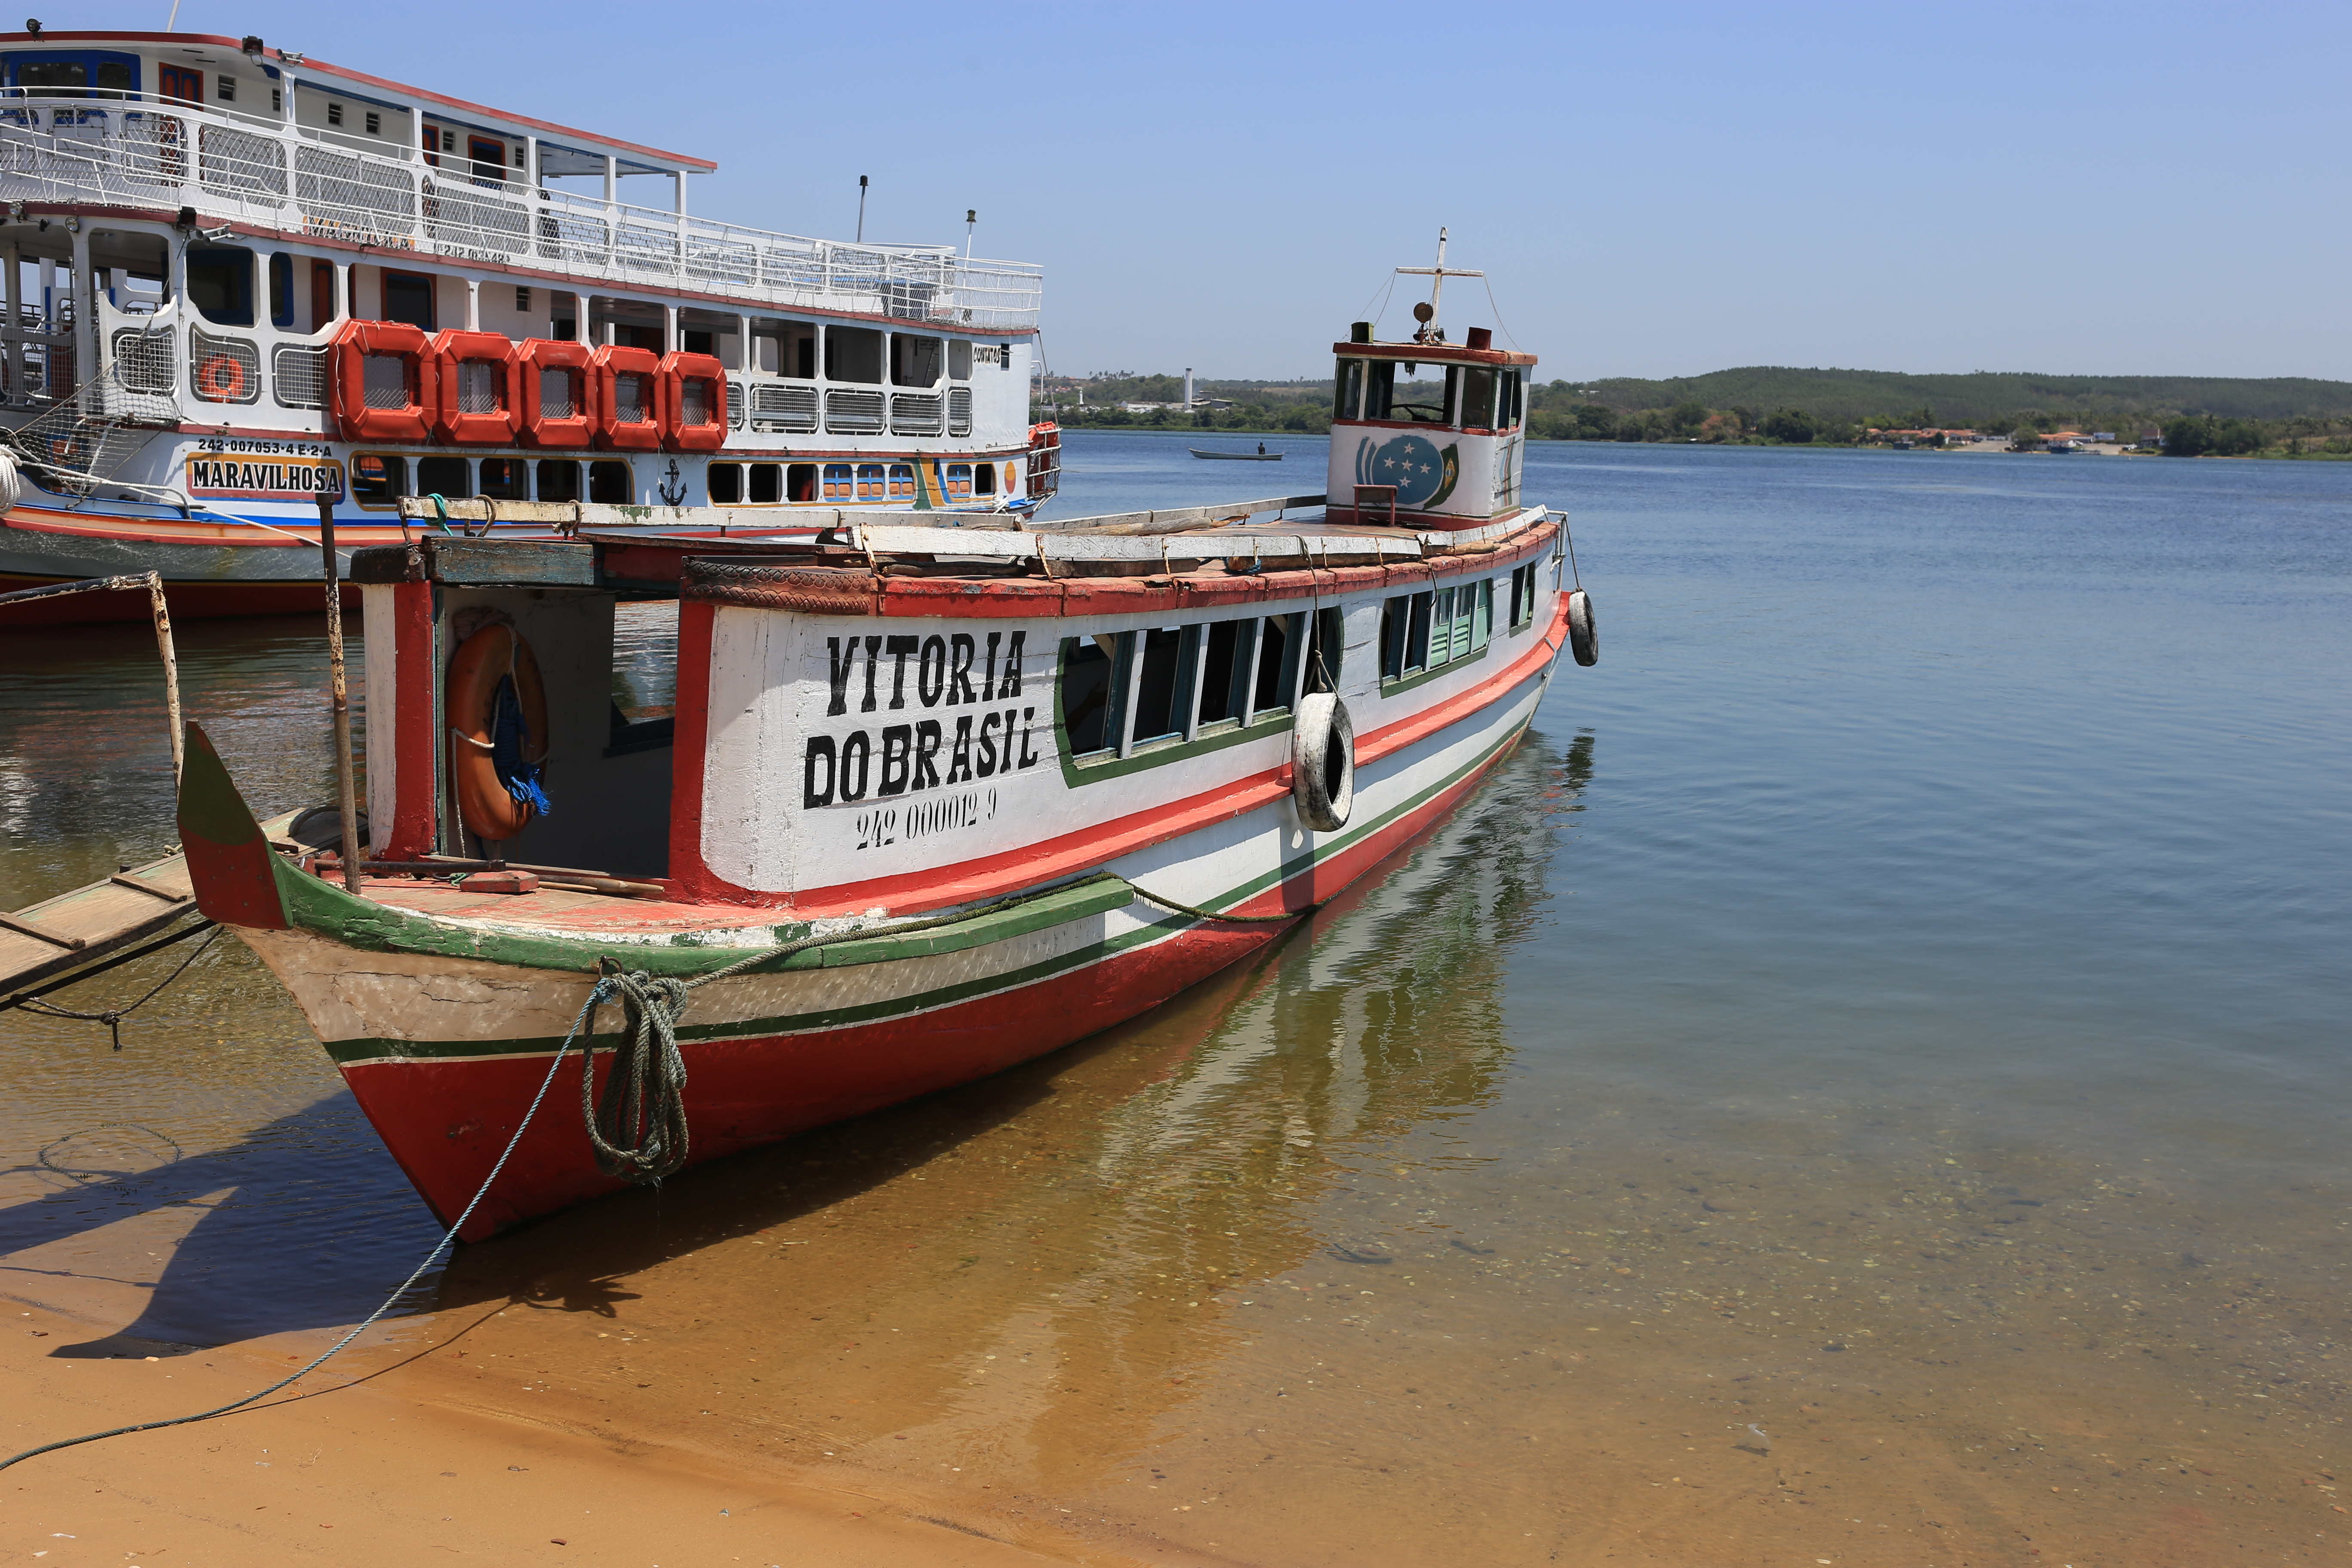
(189, 601)
(445, 1122)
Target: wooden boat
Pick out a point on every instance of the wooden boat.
(1236, 457)
(264, 277)
(934, 798)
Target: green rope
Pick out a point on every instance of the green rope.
(441, 508)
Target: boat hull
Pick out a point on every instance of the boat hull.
(445, 1053)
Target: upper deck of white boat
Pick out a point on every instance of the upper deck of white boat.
(272, 142)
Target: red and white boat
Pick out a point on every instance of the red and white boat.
(236, 279)
(935, 799)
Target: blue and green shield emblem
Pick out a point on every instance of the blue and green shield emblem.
(1423, 475)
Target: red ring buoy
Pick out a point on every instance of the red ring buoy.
(217, 387)
(481, 662)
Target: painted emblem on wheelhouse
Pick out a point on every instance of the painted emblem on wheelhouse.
(1423, 475)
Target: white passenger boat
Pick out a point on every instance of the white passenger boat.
(937, 795)
(238, 278)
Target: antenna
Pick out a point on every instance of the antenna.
(1427, 314)
(861, 209)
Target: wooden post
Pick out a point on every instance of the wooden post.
(163, 614)
(346, 789)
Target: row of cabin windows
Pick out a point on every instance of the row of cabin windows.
(1469, 397)
(771, 484)
(221, 286)
(380, 479)
(1124, 690)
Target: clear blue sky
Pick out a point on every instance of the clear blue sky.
(1653, 190)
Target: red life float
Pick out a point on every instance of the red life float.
(693, 402)
(535, 362)
(625, 398)
(357, 416)
(475, 377)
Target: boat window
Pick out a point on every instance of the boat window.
(869, 481)
(960, 359)
(1416, 633)
(984, 479)
(725, 482)
(506, 479)
(334, 112)
(836, 481)
(797, 357)
(408, 297)
(53, 79)
(1225, 670)
(800, 482)
(902, 482)
(767, 484)
(378, 480)
(853, 354)
(1350, 389)
(1523, 595)
(1162, 684)
(1392, 620)
(227, 91)
(558, 479)
(959, 481)
(1087, 670)
(220, 283)
(915, 361)
(322, 293)
(1400, 392)
(281, 291)
(611, 484)
(1276, 660)
(1482, 614)
(446, 476)
(1324, 648)
(1515, 390)
(1478, 398)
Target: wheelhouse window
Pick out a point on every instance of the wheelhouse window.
(1399, 392)
(1478, 387)
(1350, 389)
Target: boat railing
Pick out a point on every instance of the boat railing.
(141, 153)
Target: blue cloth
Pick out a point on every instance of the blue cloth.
(510, 748)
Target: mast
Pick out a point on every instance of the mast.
(1437, 276)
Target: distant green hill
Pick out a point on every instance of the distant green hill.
(1873, 397)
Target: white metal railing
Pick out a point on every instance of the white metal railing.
(297, 374)
(137, 150)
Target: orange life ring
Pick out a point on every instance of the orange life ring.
(707, 377)
(353, 344)
(448, 354)
(535, 360)
(214, 386)
(481, 663)
(606, 366)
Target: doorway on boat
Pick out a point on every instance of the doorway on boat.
(608, 668)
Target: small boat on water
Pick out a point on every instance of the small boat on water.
(936, 795)
(1260, 456)
(238, 278)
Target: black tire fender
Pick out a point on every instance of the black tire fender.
(1323, 762)
(1584, 632)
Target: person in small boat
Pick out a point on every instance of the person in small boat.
(1261, 448)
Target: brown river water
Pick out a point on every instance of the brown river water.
(1740, 1133)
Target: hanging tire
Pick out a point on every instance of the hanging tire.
(1583, 634)
(1323, 763)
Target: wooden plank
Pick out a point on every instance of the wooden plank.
(104, 916)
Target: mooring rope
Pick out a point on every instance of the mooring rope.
(113, 1016)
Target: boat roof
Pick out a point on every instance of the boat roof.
(650, 160)
(1430, 353)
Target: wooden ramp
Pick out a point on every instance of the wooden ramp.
(72, 929)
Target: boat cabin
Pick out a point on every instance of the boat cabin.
(1427, 433)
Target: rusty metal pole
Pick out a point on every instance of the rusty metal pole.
(346, 788)
(163, 614)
